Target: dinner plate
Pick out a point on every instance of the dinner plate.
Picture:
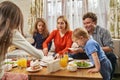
(83, 63)
(70, 59)
(73, 49)
(29, 69)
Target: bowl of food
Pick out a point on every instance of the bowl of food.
(7, 67)
(71, 67)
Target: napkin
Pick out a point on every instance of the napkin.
(53, 66)
(14, 76)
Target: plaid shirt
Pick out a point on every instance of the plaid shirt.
(102, 36)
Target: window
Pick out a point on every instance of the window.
(74, 10)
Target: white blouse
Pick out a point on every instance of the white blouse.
(20, 42)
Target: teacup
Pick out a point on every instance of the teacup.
(7, 67)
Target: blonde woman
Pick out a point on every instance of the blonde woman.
(61, 37)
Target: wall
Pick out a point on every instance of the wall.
(24, 5)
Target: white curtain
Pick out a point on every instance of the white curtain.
(74, 10)
(35, 12)
(100, 7)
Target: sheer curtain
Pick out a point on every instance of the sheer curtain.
(100, 7)
(36, 11)
(74, 10)
(114, 18)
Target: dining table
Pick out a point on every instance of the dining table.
(44, 74)
(80, 74)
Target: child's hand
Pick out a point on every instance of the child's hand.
(93, 70)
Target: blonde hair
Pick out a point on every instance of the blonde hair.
(67, 27)
(10, 18)
(79, 32)
(45, 31)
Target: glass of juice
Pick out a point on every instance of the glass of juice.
(22, 62)
(66, 56)
(64, 61)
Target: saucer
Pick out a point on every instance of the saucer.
(29, 69)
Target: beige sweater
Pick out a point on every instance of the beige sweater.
(20, 42)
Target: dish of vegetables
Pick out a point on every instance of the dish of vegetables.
(14, 63)
(83, 64)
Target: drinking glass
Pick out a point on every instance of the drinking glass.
(64, 61)
(22, 62)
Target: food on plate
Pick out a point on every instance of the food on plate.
(35, 65)
(13, 63)
(82, 64)
(9, 62)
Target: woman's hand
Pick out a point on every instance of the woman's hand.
(45, 51)
(57, 55)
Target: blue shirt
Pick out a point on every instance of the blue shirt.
(93, 46)
(38, 41)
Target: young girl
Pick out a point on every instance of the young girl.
(94, 52)
(40, 33)
(11, 24)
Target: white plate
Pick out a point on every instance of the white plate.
(70, 59)
(86, 61)
(29, 69)
(73, 49)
